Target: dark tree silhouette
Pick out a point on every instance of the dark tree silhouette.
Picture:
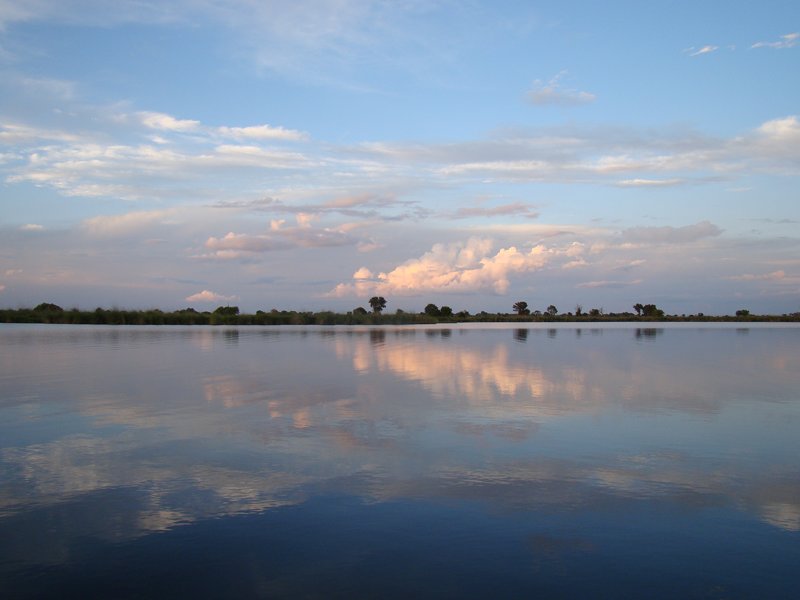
(521, 308)
(552, 310)
(378, 303)
(432, 310)
(48, 307)
(651, 310)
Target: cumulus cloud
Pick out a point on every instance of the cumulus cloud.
(209, 296)
(777, 142)
(458, 267)
(552, 92)
(669, 235)
(790, 40)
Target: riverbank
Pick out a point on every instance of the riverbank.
(100, 316)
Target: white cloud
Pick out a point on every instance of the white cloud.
(11, 133)
(164, 122)
(649, 182)
(553, 93)
(790, 40)
(262, 132)
(31, 227)
(456, 267)
(704, 50)
(209, 296)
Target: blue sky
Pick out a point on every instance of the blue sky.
(310, 155)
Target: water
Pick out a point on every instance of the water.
(470, 461)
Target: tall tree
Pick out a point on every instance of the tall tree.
(432, 310)
(521, 308)
(378, 303)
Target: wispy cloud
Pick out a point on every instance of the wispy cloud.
(553, 92)
(127, 223)
(773, 276)
(639, 182)
(708, 49)
(517, 209)
(279, 237)
(262, 132)
(790, 40)
(669, 235)
(610, 284)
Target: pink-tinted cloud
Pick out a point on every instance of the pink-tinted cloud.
(457, 267)
(209, 296)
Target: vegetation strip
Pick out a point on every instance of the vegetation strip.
(432, 314)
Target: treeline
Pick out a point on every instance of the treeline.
(224, 315)
(230, 315)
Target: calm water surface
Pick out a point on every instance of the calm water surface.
(403, 462)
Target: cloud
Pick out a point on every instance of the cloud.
(704, 50)
(669, 235)
(112, 225)
(774, 276)
(164, 122)
(262, 132)
(608, 284)
(553, 93)
(514, 209)
(209, 296)
(450, 268)
(31, 227)
(790, 40)
(12, 133)
(2, 288)
(304, 235)
(630, 265)
(649, 182)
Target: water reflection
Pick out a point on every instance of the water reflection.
(117, 433)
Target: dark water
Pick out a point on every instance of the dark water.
(615, 462)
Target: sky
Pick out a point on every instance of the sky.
(309, 155)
